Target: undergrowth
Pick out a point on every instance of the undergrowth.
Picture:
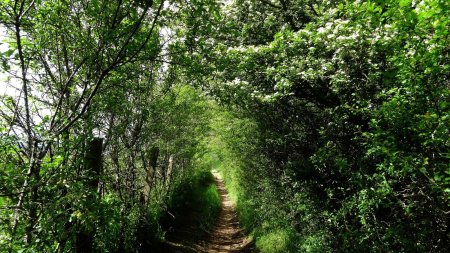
(195, 198)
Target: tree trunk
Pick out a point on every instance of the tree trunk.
(154, 153)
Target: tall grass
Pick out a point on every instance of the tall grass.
(209, 200)
(197, 194)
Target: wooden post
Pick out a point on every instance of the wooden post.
(93, 166)
(94, 162)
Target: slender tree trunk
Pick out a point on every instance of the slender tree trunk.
(169, 172)
(30, 150)
(154, 153)
(32, 212)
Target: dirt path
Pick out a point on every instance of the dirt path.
(227, 236)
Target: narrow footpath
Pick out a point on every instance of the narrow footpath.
(226, 236)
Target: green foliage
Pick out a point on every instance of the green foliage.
(331, 122)
(337, 130)
(198, 194)
(210, 200)
(273, 242)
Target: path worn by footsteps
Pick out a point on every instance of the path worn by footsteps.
(226, 236)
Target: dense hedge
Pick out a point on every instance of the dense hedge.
(349, 116)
